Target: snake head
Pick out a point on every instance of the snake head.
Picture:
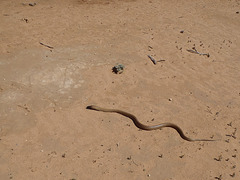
(92, 107)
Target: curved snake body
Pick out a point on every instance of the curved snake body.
(145, 127)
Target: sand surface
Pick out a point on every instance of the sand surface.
(46, 132)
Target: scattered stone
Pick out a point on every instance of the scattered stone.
(26, 20)
(232, 175)
(32, 4)
(181, 156)
(129, 158)
(219, 177)
(219, 158)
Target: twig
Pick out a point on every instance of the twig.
(154, 61)
(196, 52)
(24, 107)
(46, 45)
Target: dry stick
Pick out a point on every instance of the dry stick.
(154, 61)
(46, 45)
(196, 52)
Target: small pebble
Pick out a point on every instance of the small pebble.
(181, 156)
(32, 4)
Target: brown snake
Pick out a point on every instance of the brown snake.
(144, 127)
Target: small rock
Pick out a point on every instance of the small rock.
(181, 156)
(129, 158)
(118, 69)
(32, 4)
(160, 155)
(232, 175)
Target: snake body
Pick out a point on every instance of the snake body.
(145, 127)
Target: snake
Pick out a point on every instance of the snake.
(145, 127)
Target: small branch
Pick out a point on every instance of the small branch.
(24, 107)
(161, 60)
(196, 52)
(154, 61)
(46, 45)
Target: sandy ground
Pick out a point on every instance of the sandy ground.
(46, 132)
